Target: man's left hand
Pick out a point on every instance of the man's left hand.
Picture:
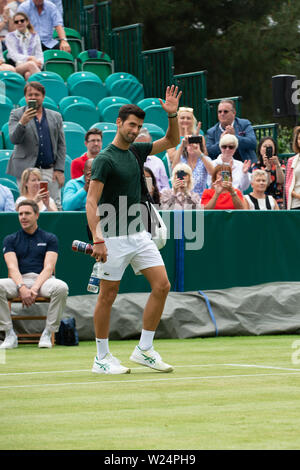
(172, 100)
(64, 46)
(59, 177)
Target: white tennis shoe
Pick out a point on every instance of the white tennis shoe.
(151, 359)
(109, 365)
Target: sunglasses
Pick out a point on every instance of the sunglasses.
(19, 21)
(231, 147)
(225, 111)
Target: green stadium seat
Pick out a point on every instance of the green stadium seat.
(87, 84)
(5, 136)
(5, 153)
(119, 76)
(55, 89)
(47, 103)
(102, 65)
(148, 102)
(74, 39)
(74, 135)
(82, 113)
(156, 115)
(68, 100)
(61, 62)
(130, 89)
(110, 114)
(155, 131)
(266, 130)
(3, 166)
(68, 162)
(6, 106)
(107, 137)
(12, 186)
(105, 126)
(37, 77)
(12, 86)
(109, 100)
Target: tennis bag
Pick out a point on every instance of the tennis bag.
(153, 223)
(67, 334)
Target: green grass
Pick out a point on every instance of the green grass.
(49, 399)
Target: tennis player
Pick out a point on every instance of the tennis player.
(118, 240)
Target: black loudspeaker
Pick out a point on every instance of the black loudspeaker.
(285, 95)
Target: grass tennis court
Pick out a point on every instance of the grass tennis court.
(225, 393)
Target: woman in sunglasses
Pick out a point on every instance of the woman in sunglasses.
(222, 194)
(181, 196)
(24, 47)
(240, 170)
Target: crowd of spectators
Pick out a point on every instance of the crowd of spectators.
(215, 170)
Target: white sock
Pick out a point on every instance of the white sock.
(102, 347)
(146, 339)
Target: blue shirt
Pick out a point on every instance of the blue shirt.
(30, 249)
(45, 22)
(7, 203)
(59, 5)
(45, 156)
(74, 195)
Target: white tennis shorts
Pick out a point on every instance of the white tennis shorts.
(137, 249)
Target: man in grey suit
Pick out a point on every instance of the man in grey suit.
(39, 140)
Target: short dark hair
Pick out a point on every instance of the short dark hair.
(37, 85)
(128, 109)
(31, 203)
(92, 131)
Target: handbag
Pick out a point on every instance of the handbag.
(152, 219)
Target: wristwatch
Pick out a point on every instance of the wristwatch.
(20, 285)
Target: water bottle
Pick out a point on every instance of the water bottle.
(94, 282)
(82, 247)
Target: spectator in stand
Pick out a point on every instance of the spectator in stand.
(39, 141)
(4, 22)
(11, 9)
(188, 125)
(59, 6)
(24, 47)
(258, 199)
(267, 160)
(76, 189)
(45, 17)
(181, 196)
(240, 170)
(152, 185)
(230, 124)
(31, 189)
(93, 143)
(31, 255)
(3, 65)
(154, 163)
(292, 179)
(193, 155)
(222, 195)
(7, 203)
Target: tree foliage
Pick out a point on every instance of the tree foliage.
(241, 43)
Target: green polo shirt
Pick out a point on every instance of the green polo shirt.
(119, 204)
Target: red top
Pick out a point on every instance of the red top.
(77, 166)
(224, 200)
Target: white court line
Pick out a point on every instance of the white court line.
(167, 379)
(139, 368)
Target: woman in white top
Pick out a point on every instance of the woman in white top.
(24, 47)
(30, 189)
(257, 199)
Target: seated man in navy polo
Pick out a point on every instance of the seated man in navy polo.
(30, 255)
(230, 124)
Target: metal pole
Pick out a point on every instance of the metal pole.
(95, 26)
